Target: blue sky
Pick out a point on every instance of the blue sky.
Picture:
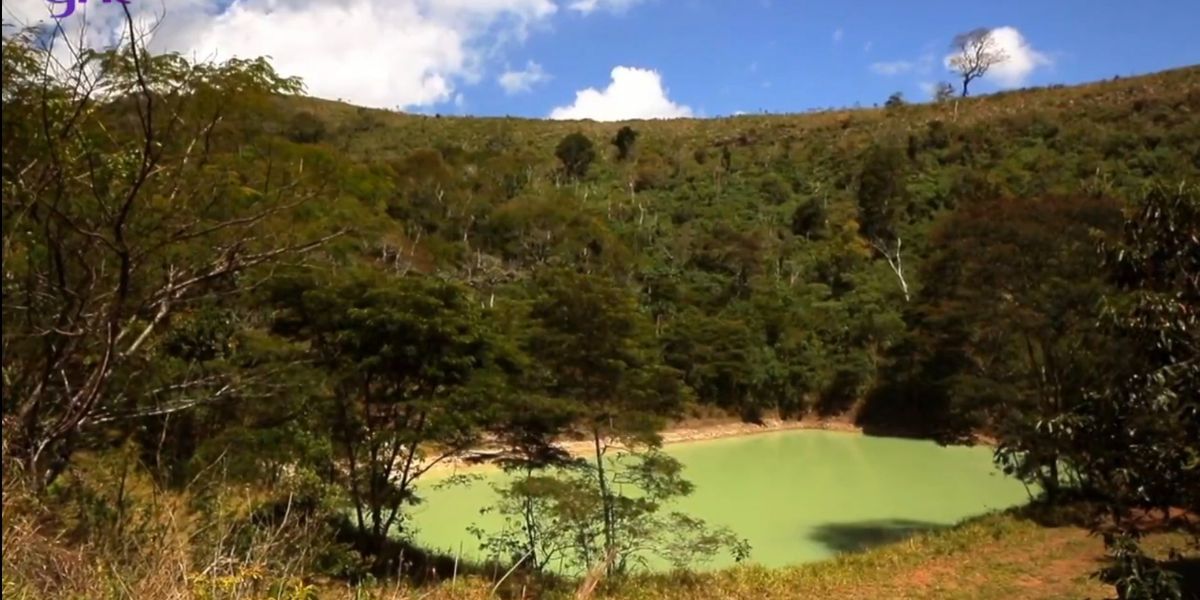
(780, 56)
(610, 59)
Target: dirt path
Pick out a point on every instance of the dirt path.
(1047, 563)
(697, 430)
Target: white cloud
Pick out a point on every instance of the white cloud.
(406, 53)
(588, 6)
(867, 46)
(838, 34)
(517, 82)
(633, 93)
(1022, 59)
(894, 67)
(923, 65)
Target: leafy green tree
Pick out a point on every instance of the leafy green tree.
(553, 230)
(1012, 292)
(811, 219)
(576, 153)
(624, 140)
(400, 357)
(556, 519)
(598, 347)
(130, 194)
(1137, 439)
(881, 196)
(722, 359)
(306, 128)
(896, 100)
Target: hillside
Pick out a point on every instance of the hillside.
(241, 325)
(714, 221)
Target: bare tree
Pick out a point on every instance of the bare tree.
(894, 260)
(975, 52)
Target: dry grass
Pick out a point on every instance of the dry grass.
(392, 134)
(113, 534)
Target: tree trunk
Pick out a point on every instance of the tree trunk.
(1052, 481)
(605, 495)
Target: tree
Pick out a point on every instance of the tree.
(400, 357)
(306, 128)
(125, 204)
(1137, 440)
(896, 100)
(624, 140)
(576, 154)
(943, 91)
(598, 348)
(974, 53)
(559, 517)
(880, 194)
(811, 219)
(1009, 300)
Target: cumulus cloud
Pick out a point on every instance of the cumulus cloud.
(405, 53)
(521, 81)
(1022, 59)
(588, 6)
(633, 93)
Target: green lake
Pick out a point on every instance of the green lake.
(796, 496)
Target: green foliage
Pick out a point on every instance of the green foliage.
(1137, 440)
(576, 153)
(811, 220)
(624, 140)
(881, 191)
(1137, 576)
(169, 215)
(306, 128)
(747, 264)
(400, 356)
(556, 521)
(598, 348)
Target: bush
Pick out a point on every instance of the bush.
(306, 128)
(576, 154)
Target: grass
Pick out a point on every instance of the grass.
(1003, 555)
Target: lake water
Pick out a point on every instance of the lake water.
(796, 496)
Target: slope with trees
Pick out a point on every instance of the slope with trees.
(214, 283)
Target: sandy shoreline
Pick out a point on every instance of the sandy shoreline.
(680, 433)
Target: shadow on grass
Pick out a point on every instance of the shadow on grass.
(862, 535)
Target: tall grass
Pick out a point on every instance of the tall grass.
(108, 531)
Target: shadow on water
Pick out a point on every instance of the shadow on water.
(862, 535)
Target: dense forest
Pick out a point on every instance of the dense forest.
(275, 313)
